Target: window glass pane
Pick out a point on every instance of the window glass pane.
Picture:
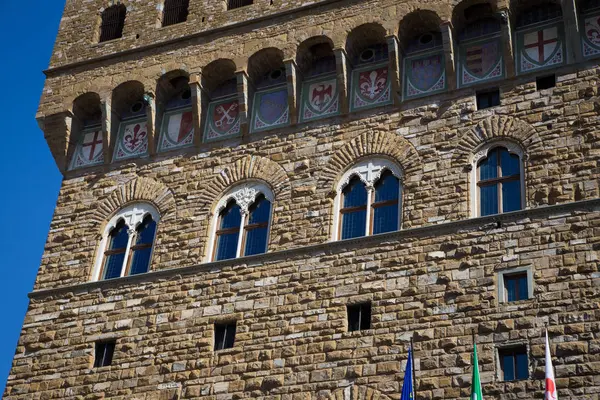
(508, 367)
(521, 362)
(523, 290)
(354, 224)
(511, 196)
(145, 231)
(355, 194)
(256, 241)
(387, 188)
(510, 163)
(260, 211)
(113, 265)
(140, 261)
(385, 219)
(488, 168)
(227, 246)
(510, 285)
(231, 216)
(488, 199)
(119, 236)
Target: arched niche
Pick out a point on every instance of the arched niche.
(223, 109)
(129, 122)
(267, 74)
(87, 136)
(174, 111)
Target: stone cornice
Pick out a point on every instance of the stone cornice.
(478, 223)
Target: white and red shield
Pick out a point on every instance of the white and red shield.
(180, 126)
(91, 147)
(592, 30)
(321, 94)
(225, 115)
(135, 137)
(541, 45)
(372, 83)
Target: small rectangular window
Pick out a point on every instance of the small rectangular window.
(487, 99)
(514, 364)
(231, 4)
(516, 286)
(359, 317)
(545, 82)
(104, 354)
(224, 335)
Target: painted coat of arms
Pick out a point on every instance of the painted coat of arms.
(89, 149)
(319, 99)
(133, 140)
(481, 62)
(270, 109)
(425, 75)
(223, 119)
(178, 130)
(591, 37)
(371, 87)
(540, 48)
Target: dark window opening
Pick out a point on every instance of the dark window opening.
(175, 11)
(514, 363)
(224, 335)
(113, 20)
(359, 317)
(104, 354)
(231, 4)
(488, 99)
(545, 82)
(516, 287)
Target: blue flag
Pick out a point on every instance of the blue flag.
(407, 385)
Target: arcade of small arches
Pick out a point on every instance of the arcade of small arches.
(482, 44)
(368, 202)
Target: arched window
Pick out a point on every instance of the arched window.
(126, 246)
(369, 199)
(241, 226)
(499, 179)
(175, 11)
(113, 20)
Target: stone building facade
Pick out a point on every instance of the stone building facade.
(363, 86)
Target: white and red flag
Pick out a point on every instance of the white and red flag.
(550, 382)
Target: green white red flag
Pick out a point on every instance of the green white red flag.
(476, 385)
(550, 382)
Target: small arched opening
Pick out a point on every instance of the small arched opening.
(86, 130)
(174, 105)
(220, 84)
(130, 118)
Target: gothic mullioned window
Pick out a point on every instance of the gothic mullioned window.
(126, 246)
(498, 179)
(113, 20)
(369, 199)
(241, 226)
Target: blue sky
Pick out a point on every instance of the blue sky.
(29, 178)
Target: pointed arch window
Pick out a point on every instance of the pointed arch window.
(369, 200)
(242, 223)
(127, 243)
(499, 179)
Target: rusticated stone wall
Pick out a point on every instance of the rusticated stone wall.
(438, 284)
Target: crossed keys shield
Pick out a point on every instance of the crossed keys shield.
(225, 115)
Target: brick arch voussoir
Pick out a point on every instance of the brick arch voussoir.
(371, 144)
(494, 128)
(245, 168)
(139, 189)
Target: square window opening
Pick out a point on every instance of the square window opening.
(514, 363)
(231, 4)
(516, 286)
(103, 354)
(224, 335)
(359, 317)
(487, 99)
(545, 82)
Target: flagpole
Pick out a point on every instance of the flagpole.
(412, 350)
